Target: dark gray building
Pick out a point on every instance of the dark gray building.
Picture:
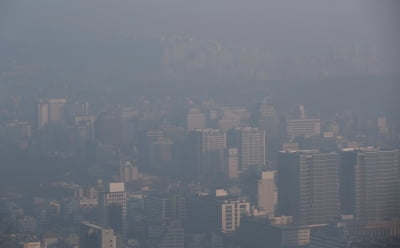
(308, 186)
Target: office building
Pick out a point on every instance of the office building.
(112, 207)
(232, 211)
(259, 234)
(94, 236)
(43, 114)
(377, 185)
(128, 172)
(161, 153)
(195, 119)
(251, 146)
(161, 208)
(211, 213)
(232, 167)
(308, 186)
(108, 129)
(267, 192)
(173, 236)
(269, 123)
(348, 162)
(303, 128)
(57, 111)
(208, 153)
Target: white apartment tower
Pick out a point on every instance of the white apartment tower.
(252, 148)
(231, 213)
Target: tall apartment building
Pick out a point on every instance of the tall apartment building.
(251, 146)
(195, 119)
(267, 192)
(112, 207)
(94, 236)
(232, 211)
(208, 148)
(57, 110)
(43, 114)
(232, 166)
(377, 185)
(128, 172)
(51, 110)
(308, 186)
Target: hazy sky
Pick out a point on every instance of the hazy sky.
(238, 22)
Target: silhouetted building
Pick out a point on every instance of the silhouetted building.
(206, 214)
(108, 130)
(261, 234)
(348, 162)
(208, 153)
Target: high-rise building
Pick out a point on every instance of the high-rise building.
(220, 213)
(94, 236)
(208, 149)
(257, 233)
(161, 153)
(308, 186)
(108, 129)
(303, 127)
(51, 110)
(232, 168)
(57, 111)
(173, 236)
(128, 172)
(348, 162)
(112, 207)
(195, 119)
(157, 208)
(269, 123)
(377, 185)
(232, 211)
(43, 114)
(251, 146)
(267, 192)
(160, 208)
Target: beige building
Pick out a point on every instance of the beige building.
(267, 192)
